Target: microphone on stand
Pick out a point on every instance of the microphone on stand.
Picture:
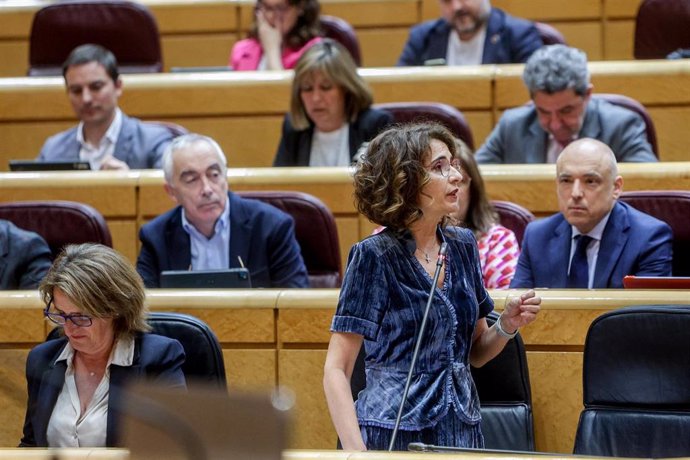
(439, 263)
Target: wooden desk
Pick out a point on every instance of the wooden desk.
(65, 454)
(244, 111)
(113, 194)
(201, 33)
(274, 337)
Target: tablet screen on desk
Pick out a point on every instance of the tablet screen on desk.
(33, 165)
(237, 278)
(656, 282)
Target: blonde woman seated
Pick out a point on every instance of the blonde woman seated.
(498, 247)
(282, 31)
(330, 110)
(75, 382)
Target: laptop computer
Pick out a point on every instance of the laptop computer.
(33, 165)
(656, 282)
(210, 68)
(202, 423)
(231, 278)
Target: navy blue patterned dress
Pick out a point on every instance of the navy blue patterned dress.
(383, 297)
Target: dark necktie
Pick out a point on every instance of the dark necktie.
(579, 269)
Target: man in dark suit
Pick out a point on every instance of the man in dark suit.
(213, 228)
(470, 32)
(105, 137)
(595, 240)
(562, 110)
(24, 257)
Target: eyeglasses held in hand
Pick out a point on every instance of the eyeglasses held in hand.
(77, 319)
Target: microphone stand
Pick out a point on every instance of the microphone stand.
(439, 263)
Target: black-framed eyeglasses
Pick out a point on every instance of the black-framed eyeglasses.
(77, 319)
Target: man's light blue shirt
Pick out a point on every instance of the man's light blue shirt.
(210, 253)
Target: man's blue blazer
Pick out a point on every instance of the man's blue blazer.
(508, 40)
(633, 243)
(139, 144)
(262, 235)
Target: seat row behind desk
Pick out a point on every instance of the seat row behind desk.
(128, 199)
(243, 111)
(271, 337)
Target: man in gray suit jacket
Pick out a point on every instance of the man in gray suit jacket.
(105, 137)
(563, 110)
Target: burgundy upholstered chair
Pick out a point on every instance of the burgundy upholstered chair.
(59, 222)
(174, 129)
(513, 217)
(672, 207)
(631, 104)
(549, 34)
(341, 31)
(125, 28)
(315, 231)
(449, 116)
(661, 26)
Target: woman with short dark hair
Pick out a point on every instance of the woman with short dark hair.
(408, 180)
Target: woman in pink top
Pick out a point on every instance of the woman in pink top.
(282, 31)
(498, 247)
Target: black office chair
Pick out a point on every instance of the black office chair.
(506, 397)
(504, 392)
(203, 355)
(636, 384)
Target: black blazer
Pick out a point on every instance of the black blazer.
(295, 146)
(155, 357)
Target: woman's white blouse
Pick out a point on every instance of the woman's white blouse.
(67, 426)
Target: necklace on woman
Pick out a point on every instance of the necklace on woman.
(427, 259)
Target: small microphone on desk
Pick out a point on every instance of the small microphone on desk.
(439, 263)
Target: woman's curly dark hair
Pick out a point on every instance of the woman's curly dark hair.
(391, 174)
(307, 26)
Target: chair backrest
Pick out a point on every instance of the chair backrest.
(661, 26)
(513, 217)
(672, 207)
(504, 392)
(631, 104)
(203, 355)
(173, 128)
(448, 116)
(341, 31)
(127, 29)
(506, 397)
(636, 384)
(315, 231)
(549, 34)
(59, 222)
